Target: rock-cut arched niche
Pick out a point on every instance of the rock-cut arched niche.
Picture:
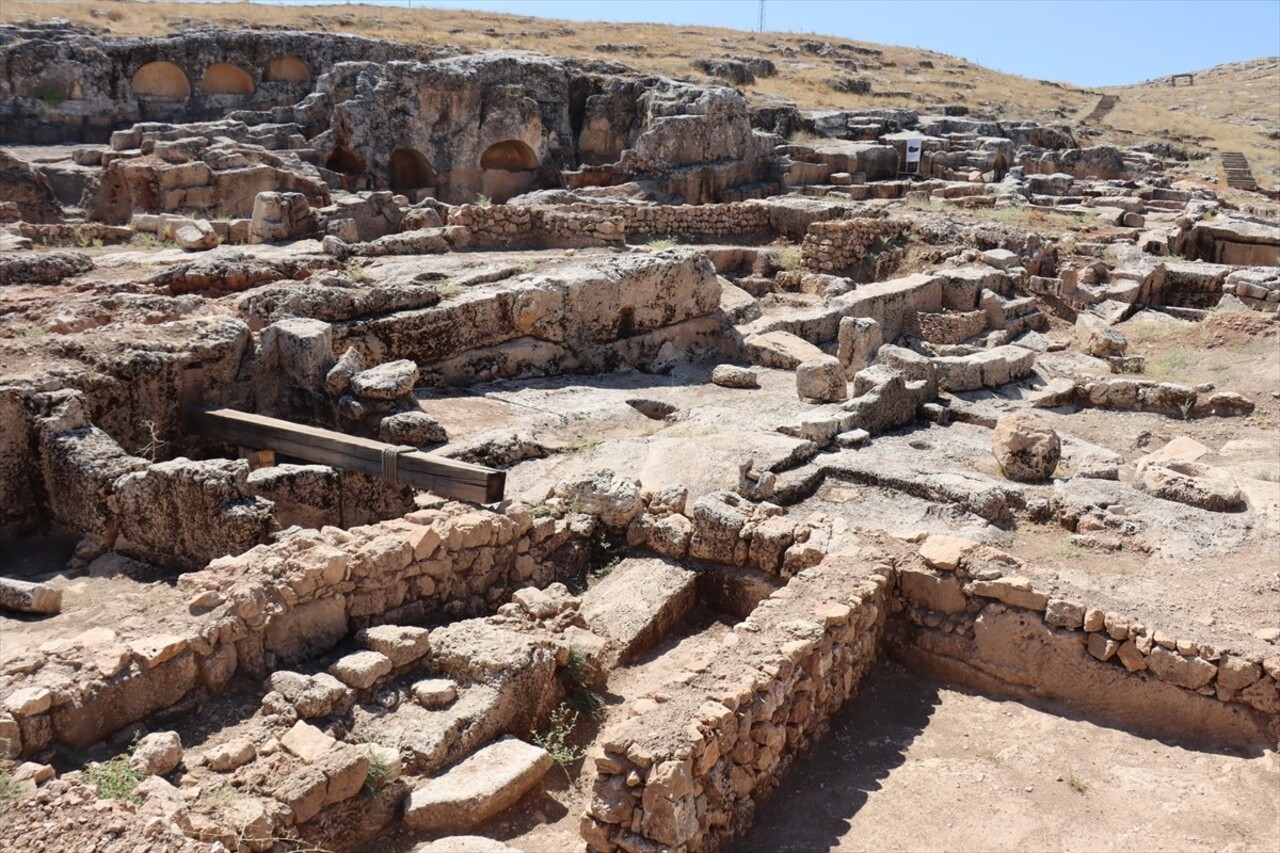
(286, 69)
(223, 78)
(510, 155)
(161, 80)
(409, 170)
(345, 161)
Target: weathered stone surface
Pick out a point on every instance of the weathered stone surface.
(1189, 483)
(157, 753)
(401, 644)
(945, 552)
(433, 693)
(1025, 447)
(821, 380)
(941, 593)
(613, 498)
(732, 376)
(481, 786)
(1096, 336)
(230, 755)
(307, 742)
(307, 630)
(1189, 672)
(185, 512)
(27, 597)
(411, 428)
(639, 603)
(386, 381)
(361, 669)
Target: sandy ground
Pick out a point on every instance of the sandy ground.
(913, 764)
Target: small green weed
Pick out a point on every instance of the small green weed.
(609, 558)
(586, 447)
(663, 243)
(1074, 781)
(1185, 408)
(555, 737)
(9, 788)
(790, 257)
(379, 775)
(52, 97)
(803, 137)
(34, 331)
(355, 272)
(115, 779)
(578, 673)
(449, 288)
(1066, 547)
(483, 201)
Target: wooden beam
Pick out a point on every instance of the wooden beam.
(446, 477)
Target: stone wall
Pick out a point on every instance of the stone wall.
(278, 604)
(507, 226)
(734, 222)
(687, 773)
(833, 247)
(969, 616)
(951, 327)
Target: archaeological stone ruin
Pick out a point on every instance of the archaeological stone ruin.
(411, 449)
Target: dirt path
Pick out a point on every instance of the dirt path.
(915, 765)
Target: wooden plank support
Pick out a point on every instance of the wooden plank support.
(258, 458)
(446, 477)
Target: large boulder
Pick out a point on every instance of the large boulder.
(1026, 447)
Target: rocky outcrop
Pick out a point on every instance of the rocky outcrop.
(62, 84)
(28, 189)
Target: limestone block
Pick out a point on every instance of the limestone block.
(27, 597)
(480, 787)
(157, 754)
(732, 376)
(402, 644)
(361, 669)
(230, 755)
(822, 380)
(386, 381)
(1026, 447)
(434, 693)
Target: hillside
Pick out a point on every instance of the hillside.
(1231, 107)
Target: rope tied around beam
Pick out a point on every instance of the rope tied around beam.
(391, 461)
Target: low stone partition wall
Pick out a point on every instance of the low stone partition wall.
(1257, 288)
(687, 772)
(508, 226)
(951, 327)
(694, 223)
(970, 617)
(844, 243)
(1141, 395)
(278, 604)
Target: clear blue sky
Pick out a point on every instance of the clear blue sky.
(1086, 42)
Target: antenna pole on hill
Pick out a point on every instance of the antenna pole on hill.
(760, 22)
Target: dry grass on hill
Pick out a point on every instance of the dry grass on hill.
(1230, 108)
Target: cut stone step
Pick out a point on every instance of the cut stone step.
(481, 786)
(638, 604)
